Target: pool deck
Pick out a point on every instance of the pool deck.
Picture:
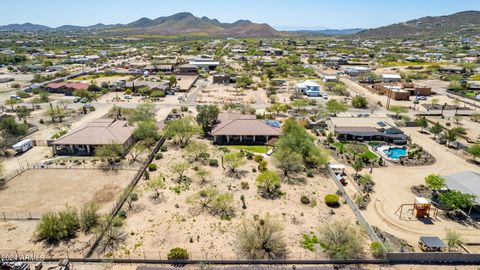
(381, 149)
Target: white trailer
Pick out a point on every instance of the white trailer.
(23, 146)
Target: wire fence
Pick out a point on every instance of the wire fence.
(19, 216)
(123, 198)
(361, 220)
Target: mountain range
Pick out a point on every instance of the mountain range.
(461, 23)
(183, 23)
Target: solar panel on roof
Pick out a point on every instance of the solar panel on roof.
(382, 124)
(272, 123)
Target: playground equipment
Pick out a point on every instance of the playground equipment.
(420, 208)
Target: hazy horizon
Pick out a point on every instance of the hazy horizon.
(281, 14)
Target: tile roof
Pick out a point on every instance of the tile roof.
(98, 132)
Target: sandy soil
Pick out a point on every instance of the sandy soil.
(154, 228)
(46, 190)
(221, 94)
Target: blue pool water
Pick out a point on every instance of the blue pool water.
(395, 152)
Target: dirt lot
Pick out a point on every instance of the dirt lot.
(221, 94)
(157, 226)
(39, 191)
(46, 190)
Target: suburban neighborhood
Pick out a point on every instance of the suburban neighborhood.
(187, 142)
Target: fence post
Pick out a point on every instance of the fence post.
(30, 214)
(4, 217)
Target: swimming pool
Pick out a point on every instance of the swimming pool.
(395, 152)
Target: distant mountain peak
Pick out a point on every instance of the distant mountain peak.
(176, 24)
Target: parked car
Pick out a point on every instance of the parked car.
(76, 100)
(87, 105)
(421, 98)
(127, 97)
(84, 100)
(15, 97)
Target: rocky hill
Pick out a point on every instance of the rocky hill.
(462, 23)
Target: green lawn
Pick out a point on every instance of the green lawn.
(252, 148)
(368, 154)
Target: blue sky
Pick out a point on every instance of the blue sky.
(283, 14)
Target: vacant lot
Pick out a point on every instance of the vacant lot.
(157, 225)
(39, 191)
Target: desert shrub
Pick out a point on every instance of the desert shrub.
(163, 148)
(244, 185)
(122, 214)
(262, 239)
(58, 226)
(213, 162)
(377, 250)
(309, 173)
(152, 167)
(262, 165)
(342, 240)
(331, 199)
(309, 241)
(258, 158)
(158, 156)
(88, 217)
(249, 155)
(304, 199)
(178, 254)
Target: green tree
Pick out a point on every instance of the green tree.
(146, 130)
(112, 237)
(475, 117)
(144, 112)
(357, 165)
(398, 110)
(172, 81)
(359, 102)
(180, 168)
(11, 102)
(453, 239)
(295, 138)
(109, 152)
(288, 161)
(156, 184)
(207, 116)
(421, 122)
(262, 239)
(457, 200)
(434, 181)
(276, 108)
(450, 136)
(22, 113)
(56, 226)
(268, 184)
(182, 130)
(137, 150)
(195, 149)
(178, 254)
(233, 160)
(89, 216)
(474, 150)
(336, 107)
(10, 128)
(84, 94)
(341, 240)
(436, 129)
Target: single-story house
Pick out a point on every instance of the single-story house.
(452, 69)
(237, 128)
(401, 91)
(187, 69)
(330, 78)
(207, 65)
(390, 78)
(366, 129)
(65, 87)
(309, 88)
(222, 79)
(465, 182)
(355, 71)
(84, 139)
(135, 85)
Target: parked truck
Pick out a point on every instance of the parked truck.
(23, 146)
